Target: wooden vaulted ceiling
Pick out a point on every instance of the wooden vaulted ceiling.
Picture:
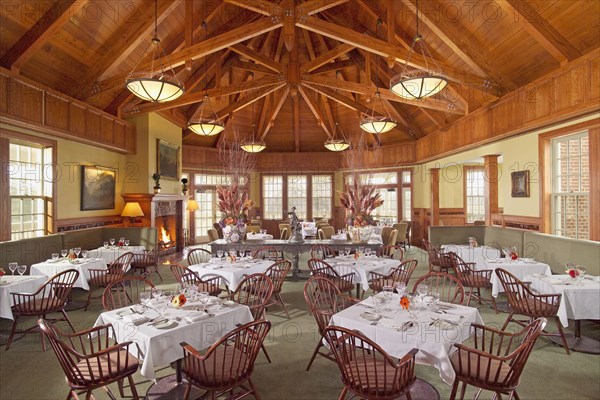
(295, 68)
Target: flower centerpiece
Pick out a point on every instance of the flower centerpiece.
(178, 301)
(574, 271)
(232, 198)
(360, 197)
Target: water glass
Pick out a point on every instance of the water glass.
(413, 308)
(21, 269)
(422, 289)
(204, 299)
(55, 257)
(401, 288)
(145, 298)
(13, 266)
(435, 297)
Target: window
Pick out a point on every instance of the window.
(273, 196)
(570, 186)
(31, 175)
(388, 212)
(475, 194)
(321, 196)
(406, 204)
(297, 190)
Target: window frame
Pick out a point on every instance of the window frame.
(466, 170)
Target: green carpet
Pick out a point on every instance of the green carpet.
(28, 373)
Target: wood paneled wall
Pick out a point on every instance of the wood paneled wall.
(31, 105)
(571, 91)
(517, 221)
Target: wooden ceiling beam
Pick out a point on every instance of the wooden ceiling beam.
(385, 93)
(316, 6)
(316, 110)
(191, 98)
(274, 111)
(42, 30)
(247, 100)
(333, 66)
(325, 58)
(201, 49)
(251, 66)
(258, 6)
(341, 99)
(189, 29)
(258, 58)
(296, 109)
(380, 47)
(541, 30)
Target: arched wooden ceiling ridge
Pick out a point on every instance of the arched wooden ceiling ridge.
(312, 63)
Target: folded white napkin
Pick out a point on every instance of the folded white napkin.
(195, 317)
(135, 319)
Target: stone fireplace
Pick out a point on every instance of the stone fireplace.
(165, 213)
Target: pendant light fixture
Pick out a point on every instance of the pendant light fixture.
(157, 85)
(371, 123)
(416, 84)
(337, 142)
(208, 123)
(253, 145)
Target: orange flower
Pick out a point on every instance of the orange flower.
(405, 302)
(357, 255)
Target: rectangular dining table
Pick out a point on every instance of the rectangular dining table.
(432, 333)
(291, 247)
(17, 284)
(158, 344)
(50, 268)
(233, 272)
(362, 266)
(111, 253)
(472, 254)
(519, 268)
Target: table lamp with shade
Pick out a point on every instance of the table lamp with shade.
(132, 210)
(192, 205)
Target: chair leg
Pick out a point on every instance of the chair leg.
(188, 389)
(89, 298)
(507, 321)
(120, 384)
(134, 392)
(343, 394)
(454, 389)
(469, 298)
(253, 388)
(12, 333)
(463, 390)
(266, 354)
(280, 299)
(314, 354)
(68, 319)
(494, 303)
(562, 335)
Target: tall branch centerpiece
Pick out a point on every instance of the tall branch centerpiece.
(232, 197)
(360, 197)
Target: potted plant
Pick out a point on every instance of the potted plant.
(184, 187)
(156, 178)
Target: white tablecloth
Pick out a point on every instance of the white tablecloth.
(258, 236)
(580, 299)
(160, 347)
(110, 254)
(435, 343)
(362, 267)
(472, 254)
(309, 229)
(16, 284)
(50, 268)
(233, 272)
(519, 268)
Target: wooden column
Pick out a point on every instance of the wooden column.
(491, 177)
(434, 208)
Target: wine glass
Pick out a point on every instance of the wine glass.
(13, 266)
(413, 309)
(377, 301)
(368, 251)
(126, 242)
(105, 244)
(422, 289)
(347, 251)
(111, 241)
(84, 254)
(55, 257)
(435, 297)
(77, 251)
(220, 254)
(21, 269)
(401, 289)
(64, 253)
(387, 295)
(204, 299)
(581, 270)
(145, 298)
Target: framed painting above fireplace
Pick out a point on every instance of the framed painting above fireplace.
(167, 160)
(97, 188)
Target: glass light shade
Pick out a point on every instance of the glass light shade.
(155, 89)
(253, 146)
(132, 210)
(418, 86)
(208, 128)
(377, 125)
(192, 205)
(336, 145)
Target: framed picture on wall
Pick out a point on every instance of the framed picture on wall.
(520, 183)
(97, 188)
(167, 160)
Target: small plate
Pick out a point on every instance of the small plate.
(228, 303)
(370, 316)
(166, 325)
(124, 312)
